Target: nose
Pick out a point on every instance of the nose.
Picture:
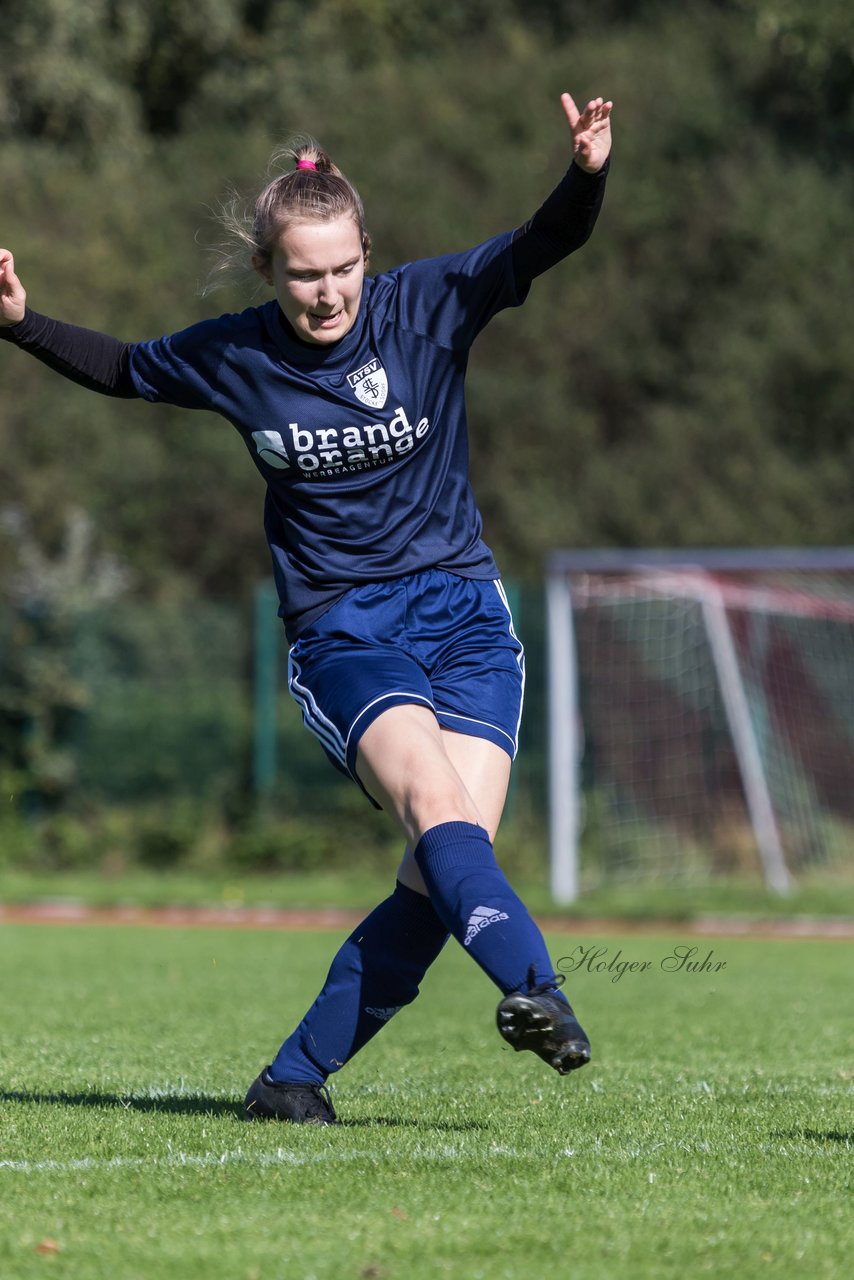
(327, 290)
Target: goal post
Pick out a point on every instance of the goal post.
(701, 714)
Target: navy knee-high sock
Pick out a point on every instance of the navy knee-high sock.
(376, 971)
(473, 898)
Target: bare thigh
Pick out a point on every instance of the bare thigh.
(425, 775)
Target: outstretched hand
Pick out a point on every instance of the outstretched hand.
(13, 296)
(591, 131)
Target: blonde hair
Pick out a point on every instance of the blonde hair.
(312, 187)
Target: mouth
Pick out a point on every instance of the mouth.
(326, 322)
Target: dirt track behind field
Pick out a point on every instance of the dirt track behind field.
(72, 913)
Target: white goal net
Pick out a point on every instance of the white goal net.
(701, 715)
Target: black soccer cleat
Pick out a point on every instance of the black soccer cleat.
(535, 1019)
(299, 1103)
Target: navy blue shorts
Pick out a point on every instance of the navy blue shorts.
(433, 638)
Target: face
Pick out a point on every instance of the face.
(317, 270)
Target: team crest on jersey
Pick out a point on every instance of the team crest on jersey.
(370, 384)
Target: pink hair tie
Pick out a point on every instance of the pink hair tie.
(306, 164)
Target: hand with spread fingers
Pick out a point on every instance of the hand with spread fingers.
(591, 131)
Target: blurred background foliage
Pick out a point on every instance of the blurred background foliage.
(685, 380)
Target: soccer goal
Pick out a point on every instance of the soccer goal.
(701, 712)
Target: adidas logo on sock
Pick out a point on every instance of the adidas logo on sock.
(479, 919)
(383, 1014)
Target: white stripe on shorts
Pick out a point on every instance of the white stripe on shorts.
(319, 724)
(520, 657)
(383, 697)
(496, 728)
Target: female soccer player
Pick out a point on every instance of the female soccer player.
(348, 393)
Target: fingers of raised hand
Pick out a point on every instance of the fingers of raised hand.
(592, 119)
(596, 114)
(570, 109)
(7, 269)
(12, 295)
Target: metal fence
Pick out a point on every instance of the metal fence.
(126, 703)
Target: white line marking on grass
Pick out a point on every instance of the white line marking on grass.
(210, 1159)
(786, 1147)
(177, 1159)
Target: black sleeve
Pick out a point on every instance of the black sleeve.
(91, 359)
(561, 225)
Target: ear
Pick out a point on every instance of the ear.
(261, 264)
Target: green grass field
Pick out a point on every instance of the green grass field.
(712, 1134)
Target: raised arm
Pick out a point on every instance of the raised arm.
(566, 219)
(92, 360)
